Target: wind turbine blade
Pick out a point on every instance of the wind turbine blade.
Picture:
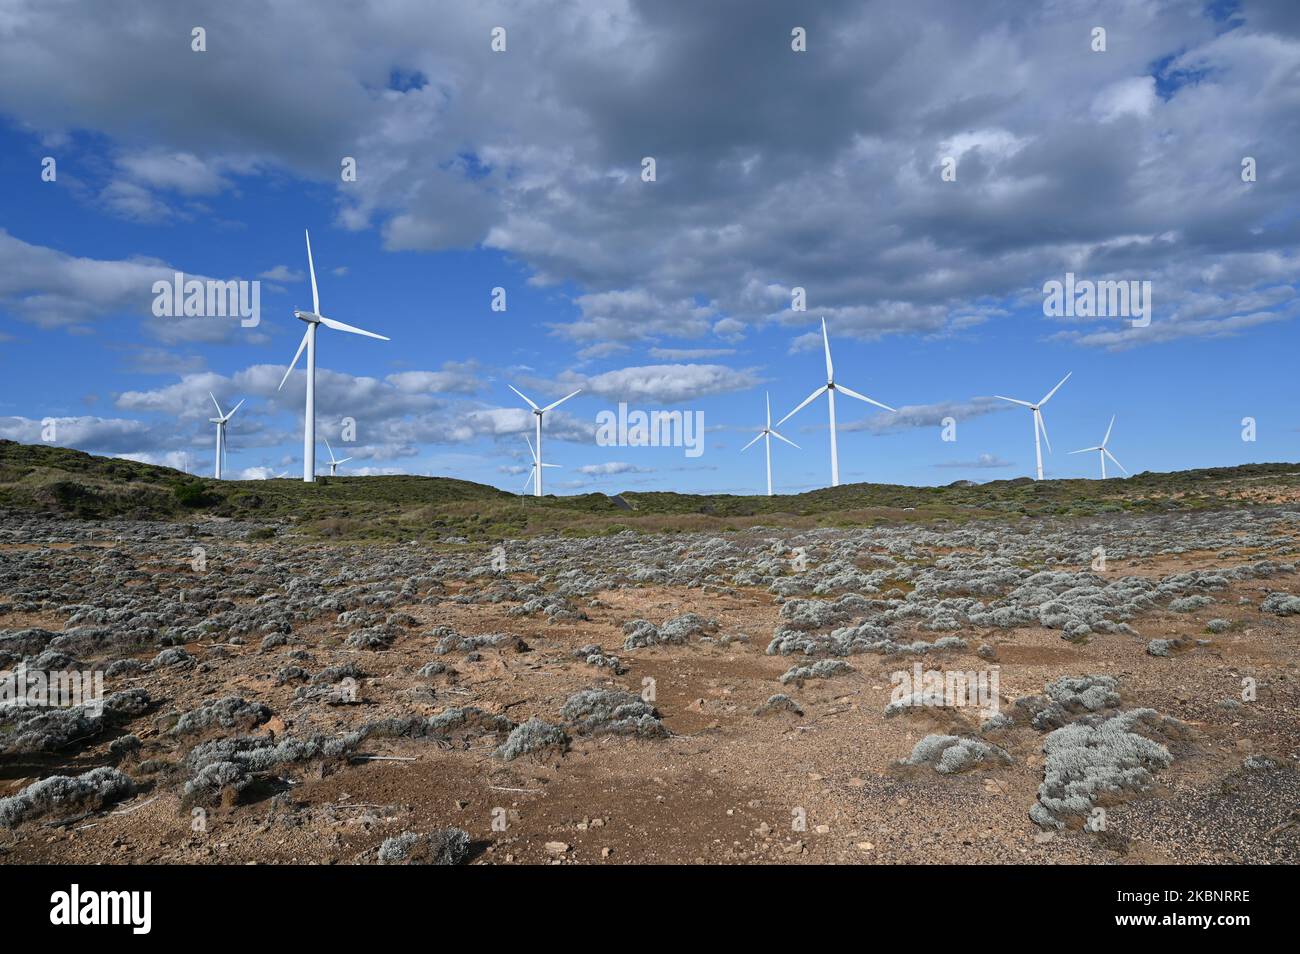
(235, 408)
(1055, 389)
(1108, 429)
(1085, 450)
(861, 397)
(311, 266)
(331, 450)
(1042, 426)
(768, 398)
(753, 442)
(1013, 400)
(220, 413)
(289, 370)
(352, 329)
(1112, 459)
(556, 404)
(343, 461)
(830, 369)
(524, 396)
(530, 449)
(552, 465)
(806, 401)
(529, 479)
(780, 438)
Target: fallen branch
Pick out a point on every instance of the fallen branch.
(128, 811)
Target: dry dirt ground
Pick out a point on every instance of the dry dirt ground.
(728, 785)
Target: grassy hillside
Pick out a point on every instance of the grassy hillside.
(57, 480)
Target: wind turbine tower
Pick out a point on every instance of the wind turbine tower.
(538, 412)
(767, 433)
(313, 319)
(829, 389)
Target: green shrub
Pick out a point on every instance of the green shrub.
(192, 494)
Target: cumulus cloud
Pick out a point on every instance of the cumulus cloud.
(689, 354)
(668, 383)
(990, 461)
(52, 289)
(283, 273)
(612, 468)
(176, 171)
(818, 170)
(912, 416)
(99, 435)
(454, 378)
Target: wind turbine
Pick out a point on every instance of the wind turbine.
(314, 318)
(220, 420)
(1103, 451)
(537, 462)
(334, 464)
(537, 454)
(1038, 420)
(767, 434)
(829, 389)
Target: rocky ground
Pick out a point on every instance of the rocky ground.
(658, 698)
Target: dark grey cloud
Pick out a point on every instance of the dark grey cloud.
(775, 169)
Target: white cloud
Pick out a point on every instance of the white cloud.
(1135, 96)
(283, 273)
(177, 171)
(668, 383)
(612, 468)
(912, 416)
(52, 289)
(983, 461)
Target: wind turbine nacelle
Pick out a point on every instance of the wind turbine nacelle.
(308, 316)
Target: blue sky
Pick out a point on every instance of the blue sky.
(775, 169)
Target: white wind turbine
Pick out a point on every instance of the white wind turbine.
(1103, 451)
(314, 318)
(334, 464)
(537, 453)
(829, 389)
(537, 462)
(1038, 420)
(767, 434)
(221, 420)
